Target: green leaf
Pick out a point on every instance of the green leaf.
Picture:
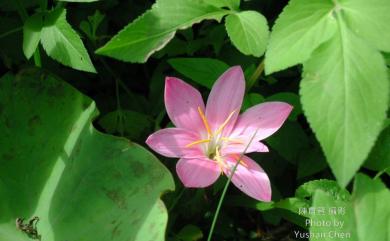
(231, 4)
(379, 158)
(63, 44)
(368, 208)
(345, 97)
(32, 34)
(204, 71)
(81, 183)
(310, 162)
(290, 98)
(308, 189)
(155, 28)
(248, 31)
(369, 19)
(299, 30)
(251, 99)
(289, 150)
(190, 233)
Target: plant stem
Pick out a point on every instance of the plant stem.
(256, 74)
(10, 32)
(380, 173)
(176, 200)
(119, 108)
(225, 189)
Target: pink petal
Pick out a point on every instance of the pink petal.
(225, 97)
(171, 142)
(182, 102)
(235, 147)
(266, 118)
(250, 178)
(199, 172)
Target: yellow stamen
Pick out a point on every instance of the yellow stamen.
(240, 161)
(232, 140)
(219, 160)
(225, 122)
(197, 142)
(205, 122)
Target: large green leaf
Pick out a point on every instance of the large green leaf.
(248, 31)
(345, 97)
(82, 184)
(345, 88)
(366, 217)
(155, 28)
(63, 44)
(204, 71)
(369, 19)
(299, 30)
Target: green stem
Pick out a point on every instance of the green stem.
(225, 189)
(380, 173)
(10, 32)
(176, 200)
(37, 58)
(119, 108)
(256, 74)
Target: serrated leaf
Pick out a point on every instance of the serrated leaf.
(330, 187)
(155, 28)
(369, 19)
(368, 208)
(63, 44)
(248, 31)
(344, 95)
(231, 4)
(204, 71)
(32, 34)
(299, 30)
(82, 184)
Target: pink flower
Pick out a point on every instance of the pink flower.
(209, 140)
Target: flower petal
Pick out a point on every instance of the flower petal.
(266, 118)
(250, 178)
(171, 142)
(182, 102)
(239, 147)
(225, 97)
(199, 172)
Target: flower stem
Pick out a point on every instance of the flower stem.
(256, 74)
(225, 189)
